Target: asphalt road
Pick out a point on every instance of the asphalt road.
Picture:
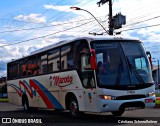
(50, 117)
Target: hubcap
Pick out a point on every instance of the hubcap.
(73, 107)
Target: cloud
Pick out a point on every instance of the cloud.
(65, 8)
(91, 7)
(37, 18)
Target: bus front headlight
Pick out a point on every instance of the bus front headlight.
(107, 97)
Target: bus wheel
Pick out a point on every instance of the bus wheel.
(73, 108)
(26, 106)
(118, 113)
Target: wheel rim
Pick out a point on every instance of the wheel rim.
(73, 107)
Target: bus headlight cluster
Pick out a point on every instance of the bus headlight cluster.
(107, 97)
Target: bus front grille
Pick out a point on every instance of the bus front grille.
(129, 97)
(132, 105)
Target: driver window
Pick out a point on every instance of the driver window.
(83, 64)
(87, 73)
(140, 63)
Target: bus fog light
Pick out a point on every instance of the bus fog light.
(148, 100)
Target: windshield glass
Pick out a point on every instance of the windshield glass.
(121, 63)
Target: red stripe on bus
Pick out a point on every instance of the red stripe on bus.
(42, 94)
(29, 91)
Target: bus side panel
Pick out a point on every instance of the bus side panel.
(13, 93)
(47, 91)
(74, 87)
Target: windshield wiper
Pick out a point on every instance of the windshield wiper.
(132, 68)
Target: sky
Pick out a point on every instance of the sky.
(27, 25)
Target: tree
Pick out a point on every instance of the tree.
(3, 89)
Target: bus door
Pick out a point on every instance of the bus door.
(87, 77)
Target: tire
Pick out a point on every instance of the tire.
(118, 113)
(74, 108)
(26, 106)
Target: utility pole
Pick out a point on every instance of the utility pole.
(115, 22)
(110, 18)
(110, 14)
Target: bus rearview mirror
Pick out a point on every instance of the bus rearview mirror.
(93, 59)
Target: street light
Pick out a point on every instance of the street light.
(77, 8)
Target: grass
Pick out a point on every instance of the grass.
(158, 101)
(3, 99)
(157, 95)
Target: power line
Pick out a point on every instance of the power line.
(141, 27)
(15, 30)
(143, 21)
(63, 12)
(29, 21)
(33, 22)
(55, 4)
(46, 35)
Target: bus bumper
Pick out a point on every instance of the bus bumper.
(116, 105)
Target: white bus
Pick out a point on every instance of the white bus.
(84, 75)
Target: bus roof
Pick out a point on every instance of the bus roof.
(80, 38)
(68, 41)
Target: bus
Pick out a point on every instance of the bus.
(87, 74)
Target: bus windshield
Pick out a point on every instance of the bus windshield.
(122, 64)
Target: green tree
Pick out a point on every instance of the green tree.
(3, 89)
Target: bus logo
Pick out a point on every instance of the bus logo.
(62, 81)
(130, 92)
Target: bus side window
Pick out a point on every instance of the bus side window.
(53, 60)
(15, 70)
(31, 66)
(67, 57)
(23, 67)
(9, 71)
(38, 70)
(44, 63)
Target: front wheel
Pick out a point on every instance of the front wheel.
(73, 108)
(118, 113)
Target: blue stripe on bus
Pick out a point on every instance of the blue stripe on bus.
(33, 91)
(53, 100)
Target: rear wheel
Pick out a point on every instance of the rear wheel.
(74, 108)
(118, 113)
